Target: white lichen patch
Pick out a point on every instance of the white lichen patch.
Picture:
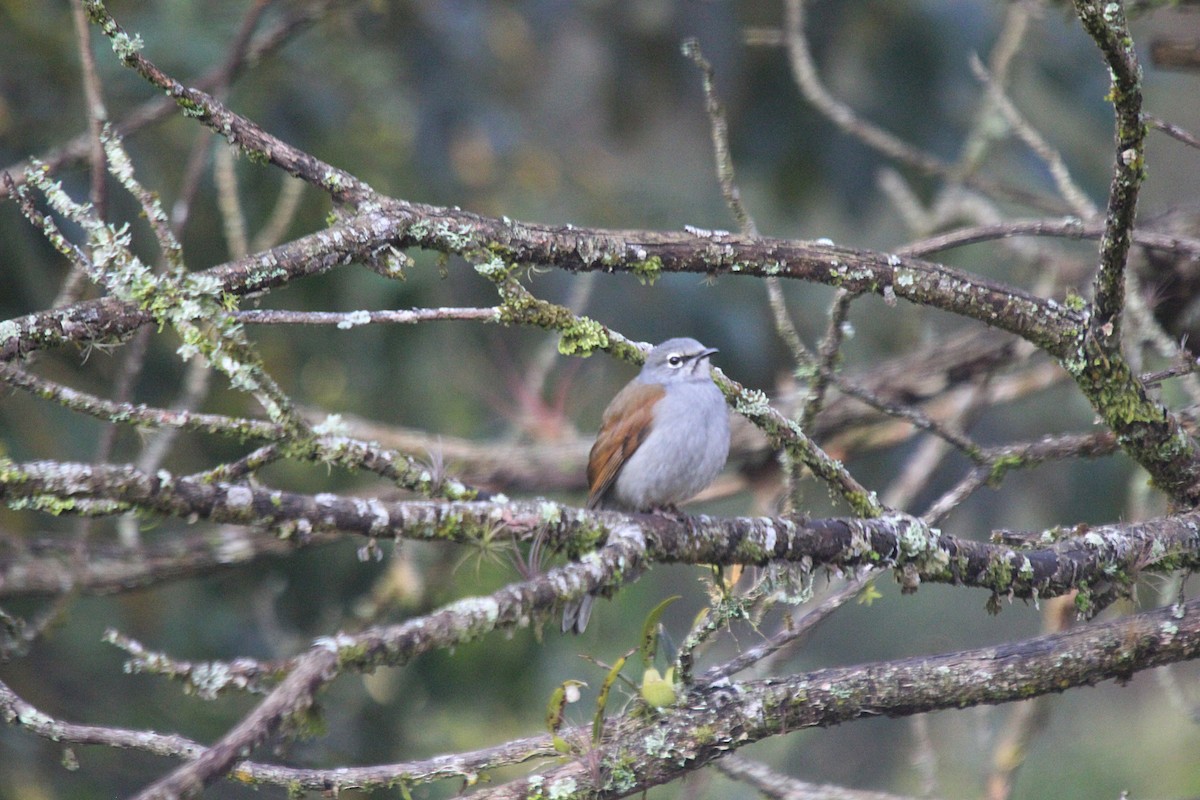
(209, 679)
(562, 788)
(354, 319)
(916, 541)
(1026, 570)
(239, 497)
(752, 403)
(769, 537)
(381, 519)
(494, 268)
(484, 608)
(9, 330)
(332, 425)
(336, 643)
(30, 716)
(549, 513)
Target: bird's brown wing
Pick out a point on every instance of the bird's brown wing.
(625, 425)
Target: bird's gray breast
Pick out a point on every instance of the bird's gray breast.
(686, 448)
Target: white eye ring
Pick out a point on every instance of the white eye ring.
(675, 360)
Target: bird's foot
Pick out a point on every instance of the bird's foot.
(669, 511)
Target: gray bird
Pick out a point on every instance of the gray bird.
(663, 438)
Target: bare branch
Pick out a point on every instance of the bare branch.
(15, 710)
(461, 621)
(776, 786)
(1075, 196)
(805, 73)
(1069, 228)
(44, 568)
(1172, 130)
(345, 320)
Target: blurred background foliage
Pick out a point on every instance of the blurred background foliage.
(564, 112)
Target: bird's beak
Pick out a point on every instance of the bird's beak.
(708, 352)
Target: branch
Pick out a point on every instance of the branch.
(1154, 436)
(51, 567)
(709, 721)
(1105, 23)
(332, 449)
(1087, 559)
(16, 711)
(1066, 228)
(644, 751)
(109, 319)
(346, 320)
(776, 786)
(246, 136)
(804, 71)
(297, 18)
(454, 624)
(1063, 181)
(1172, 130)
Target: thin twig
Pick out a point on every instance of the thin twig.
(233, 218)
(792, 634)
(974, 480)
(297, 17)
(240, 132)
(1082, 205)
(345, 320)
(1171, 129)
(827, 356)
(727, 178)
(804, 71)
(97, 113)
(1065, 228)
(282, 215)
(777, 786)
(1008, 43)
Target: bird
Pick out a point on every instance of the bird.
(662, 440)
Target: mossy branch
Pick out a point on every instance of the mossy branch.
(1105, 23)
(1101, 559)
(650, 750)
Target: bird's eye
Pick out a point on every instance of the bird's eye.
(675, 360)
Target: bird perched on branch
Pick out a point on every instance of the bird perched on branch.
(663, 438)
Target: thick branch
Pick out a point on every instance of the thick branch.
(109, 319)
(711, 721)
(707, 724)
(1084, 558)
(1155, 438)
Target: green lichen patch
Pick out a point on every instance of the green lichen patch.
(582, 338)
